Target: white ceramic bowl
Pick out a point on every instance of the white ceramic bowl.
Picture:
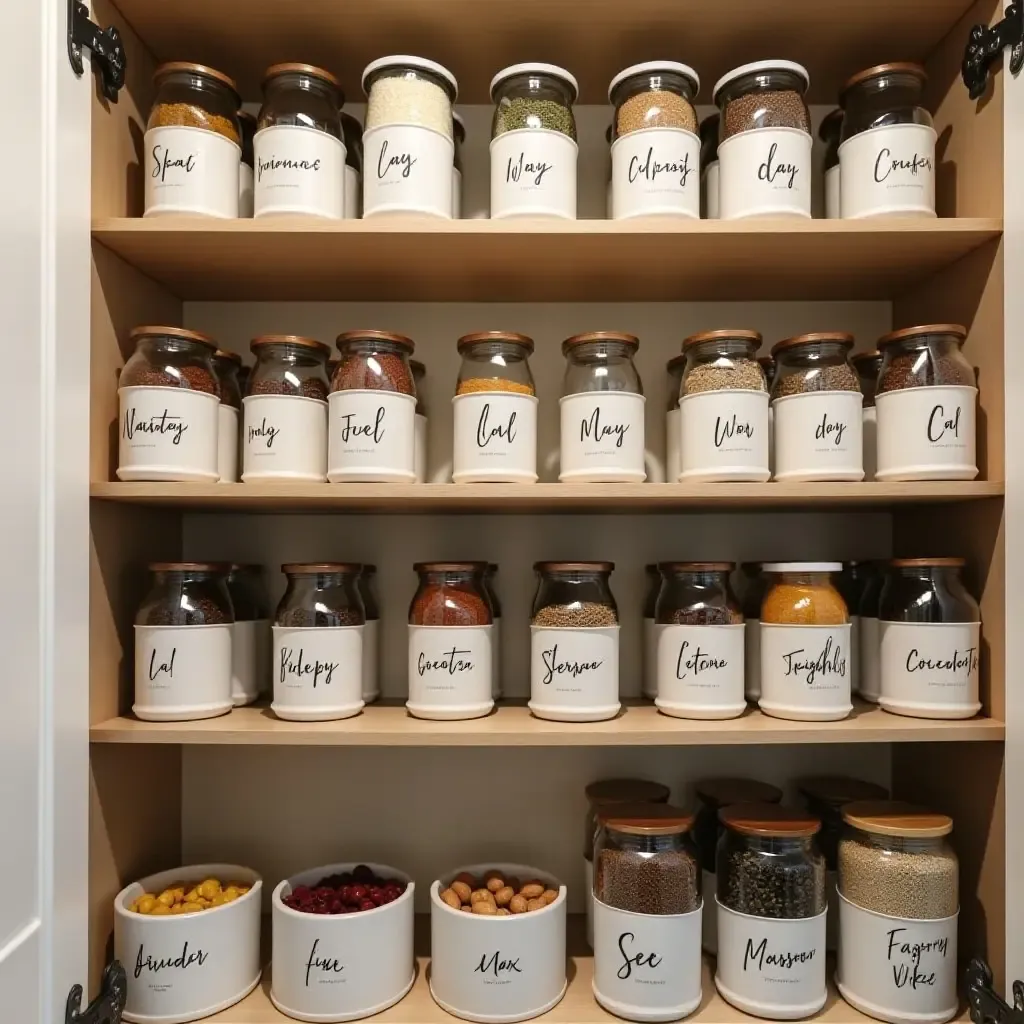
(346, 966)
(184, 967)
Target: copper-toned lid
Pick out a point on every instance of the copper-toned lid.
(769, 820)
(176, 66)
(188, 566)
(722, 335)
(642, 819)
(696, 566)
(896, 818)
(926, 563)
(301, 69)
(923, 331)
(588, 337)
(509, 337)
(289, 339)
(840, 789)
(723, 792)
(898, 68)
(302, 568)
(450, 567)
(831, 124)
(573, 566)
(840, 337)
(626, 791)
(173, 332)
(860, 359)
(231, 357)
(394, 339)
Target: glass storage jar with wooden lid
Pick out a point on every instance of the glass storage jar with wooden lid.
(192, 144)
(602, 410)
(246, 169)
(352, 134)
(450, 637)
(371, 634)
(650, 653)
(299, 146)
(285, 410)
(709, 166)
(251, 637)
(495, 410)
(226, 365)
(168, 397)
(673, 419)
(829, 131)
(318, 643)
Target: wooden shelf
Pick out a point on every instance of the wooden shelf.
(424, 260)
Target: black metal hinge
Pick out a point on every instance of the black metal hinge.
(104, 44)
(985, 1004)
(986, 46)
(107, 1007)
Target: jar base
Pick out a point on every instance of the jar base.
(164, 211)
(372, 697)
(725, 476)
(533, 215)
(871, 698)
(640, 1013)
(315, 714)
(242, 700)
(908, 213)
(184, 1018)
(930, 710)
(766, 1012)
(707, 714)
(658, 215)
(806, 714)
(288, 211)
(405, 211)
(503, 477)
(495, 1018)
(449, 714)
(193, 714)
(335, 1018)
(132, 474)
(880, 1013)
(284, 478)
(787, 214)
(556, 714)
(839, 475)
(610, 477)
(924, 473)
(370, 476)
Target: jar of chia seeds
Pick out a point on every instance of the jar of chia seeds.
(829, 132)
(533, 142)
(372, 417)
(724, 408)
(764, 141)
(574, 643)
(817, 406)
(495, 605)
(246, 177)
(771, 912)
(647, 912)
(673, 419)
(656, 152)
(887, 152)
(602, 410)
(867, 366)
(652, 579)
(285, 410)
(709, 166)
(183, 644)
(299, 146)
(495, 410)
(700, 642)
(753, 597)
(169, 399)
(408, 143)
(226, 366)
(318, 643)
(459, 130)
(192, 144)
(419, 373)
(251, 637)
(925, 402)
(870, 635)
(450, 636)
(898, 911)
(371, 634)
(352, 134)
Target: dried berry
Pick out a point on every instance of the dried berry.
(336, 894)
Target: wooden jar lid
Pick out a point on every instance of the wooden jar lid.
(840, 789)
(724, 792)
(896, 818)
(769, 821)
(626, 791)
(645, 819)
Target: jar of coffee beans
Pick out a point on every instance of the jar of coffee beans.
(419, 454)
(495, 606)
(533, 142)
(870, 635)
(183, 644)
(602, 410)
(709, 166)
(459, 132)
(246, 174)
(887, 151)
(371, 634)
(656, 152)
(647, 912)
(829, 131)
(285, 410)
(169, 400)
(771, 912)
(724, 408)
(650, 651)
(251, 638)
(867, 366)
(352, 134)
(898, 910)
(450, 642)
(226, 365)
(192, 144)
(926, 401)
(372, 416)
(574, 643)
(817, 405)
(408, 147)
(764, 141)
(495, 410)
(318, 643)
(805, 643)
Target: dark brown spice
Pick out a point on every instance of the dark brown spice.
(916, 370)
(631, 880)
(311, 387)
(374, 361)
(450, 594)
(784, 108)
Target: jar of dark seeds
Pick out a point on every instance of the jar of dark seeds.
(673, 419)
(372, 416)
(771, 912)
(285, 410)
(926, 401)
(867, 366)
(533, 142)
(764, 145)
(226, 366)
(652, 587)
(709, 166)
(246, 174)
(829, 131)
(574, 643)
(419, 455)
(168, 396)
(647, 913)
(318, 643)
(700, 642)
(183, 644)
(724, 408)
(816, 402)
(898, 911)
(371, 634)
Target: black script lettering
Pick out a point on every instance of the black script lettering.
(768, 172)
(294, 663)
(325, 964)
(697, 662)
(629, 961)
(517, 168)
(403, 161)
(156, 668)
(164, 162)
(593, 427)
(157, 424)
(829, 662)
(787, 960)
(180, 963)
(905, 960)
(956, 661)
(275, 163)
(825, 430)
(450, 662)
(939, 424)
(485, 433)
(885, 164)
(553, 667)
(264, 430)
(375, 430)
(729, 428)
(649, 169)
(496, 964)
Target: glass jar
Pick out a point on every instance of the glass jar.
(817, 408)
(495, 606)
(829, 132)
(870, 636)
(371, 634)
(709, 168)
(602, 410)
(183, 644)
(246, 180)
(407, 141)
(656, 153)
(887, 153)
(495, 410)
(533, 142)
(419, 455)
(724, 408)
(192, 144)
(805, 643)
(318, 643)
(925, 403)
(459, 131)
(226, 366)
(168, 396)
(574, 643)
(299, 149)
(650, 651)
(250, 634)
(764, 142)
(352, 135)
(700, 642)
(450, 652)
(372, 417)
(285, 410)
(674, 419)
(752, 600)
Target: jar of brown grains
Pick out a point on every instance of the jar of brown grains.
(251, 638)
(371, 634)
(709, 166)
(652, 587)
(285, 410)
(673, 419)
(372, 434)
(226, 365)
(168, 396)
(829, 131)
(246, 179)
(419, 373)
(192, 145)
(450, 642)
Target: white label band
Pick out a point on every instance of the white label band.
(805, 672)
(191, 170)
(407, 169)
(317, 672)
(299, 171)
(574, 673)
(495, 438)
(450, 671)
(765, 172)
(533, 173)
(700, 671)
(889, 171)
(819, 436)
(182, 672)
(656, 171)
(372, 436)
(602, 437)
(284, 437)
(725, 436)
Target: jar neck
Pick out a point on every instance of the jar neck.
(768, 80)
(181, 577)
(502, 353)
(803, 579)
(536, 84)
(910, 88)
(777, 844)
(372, 347)
(599, 352)
(292, 355)
(906, 844)
(453, 578)
(701, 578)
(653, 81)
(734, 347)
(576, 576)
(412, 75)
(199, 83)
(818, 351)
(947, 574)
(297, 81)
(323, 580)
(156, 346)
(646, 843)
